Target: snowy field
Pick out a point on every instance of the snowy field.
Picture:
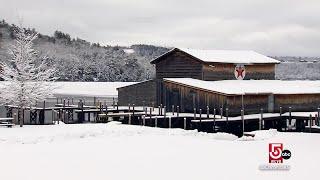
(115, 151)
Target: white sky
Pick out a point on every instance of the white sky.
(272, 27)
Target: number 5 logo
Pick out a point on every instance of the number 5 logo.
(275, 153)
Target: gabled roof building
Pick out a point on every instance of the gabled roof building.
(220, 79)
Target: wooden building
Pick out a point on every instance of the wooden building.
(250, 95)
(213, 65)
(220, 79)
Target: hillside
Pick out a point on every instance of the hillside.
(79, 60)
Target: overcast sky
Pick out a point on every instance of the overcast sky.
(272, 27)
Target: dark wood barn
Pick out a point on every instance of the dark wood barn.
(255, 74)
(190, 93)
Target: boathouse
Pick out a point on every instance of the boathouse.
(221, 79)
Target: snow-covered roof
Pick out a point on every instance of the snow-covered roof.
(225, 56)
(238, 87)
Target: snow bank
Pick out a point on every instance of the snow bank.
(100, 89)
(121, 152)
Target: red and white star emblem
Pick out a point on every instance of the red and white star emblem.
(239, 72)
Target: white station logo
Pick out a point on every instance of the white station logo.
(239, 72)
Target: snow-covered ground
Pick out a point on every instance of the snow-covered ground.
(115, 151)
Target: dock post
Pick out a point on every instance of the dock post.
(194, 114)
(133, 107)
(177, 111)
(261, 119)
(156, 122)
(185, 123)
(242, 118)
(318, 116)
(227, 118)
(143, 104)
(200, 128)
(159, 110)
(113, 102)
(290, 115)
(310, 122)
(15, 118)
(152, 106)
(143, 120)
(164, 112)
(169, 122)
(117, 107)
(280, 119)
(150, 122)
(221, 113)
(172, 108)
(145, 111)
(129, 121)
(208, 112)
(129, 107)
(214, 120)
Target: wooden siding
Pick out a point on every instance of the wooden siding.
(298, 102)
(140, 94)
(189, 97)
(178, 65)
(218, 71)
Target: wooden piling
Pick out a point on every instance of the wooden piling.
(185, 123)
(261, 119)
(172, 108)
(208, 110)
(143, 120)
(214, 120)
(242, 118)
(133, 111)
(15, 118)
(280, 119)
(169, 122)
(159, 111)
(129, 121)
(200, 123)
(318, 116)
(156, 122)
(290, 118)
(164, 112)
(178, 111)
(221, 113)
(310, 122)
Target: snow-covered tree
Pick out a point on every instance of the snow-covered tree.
(26, 76)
